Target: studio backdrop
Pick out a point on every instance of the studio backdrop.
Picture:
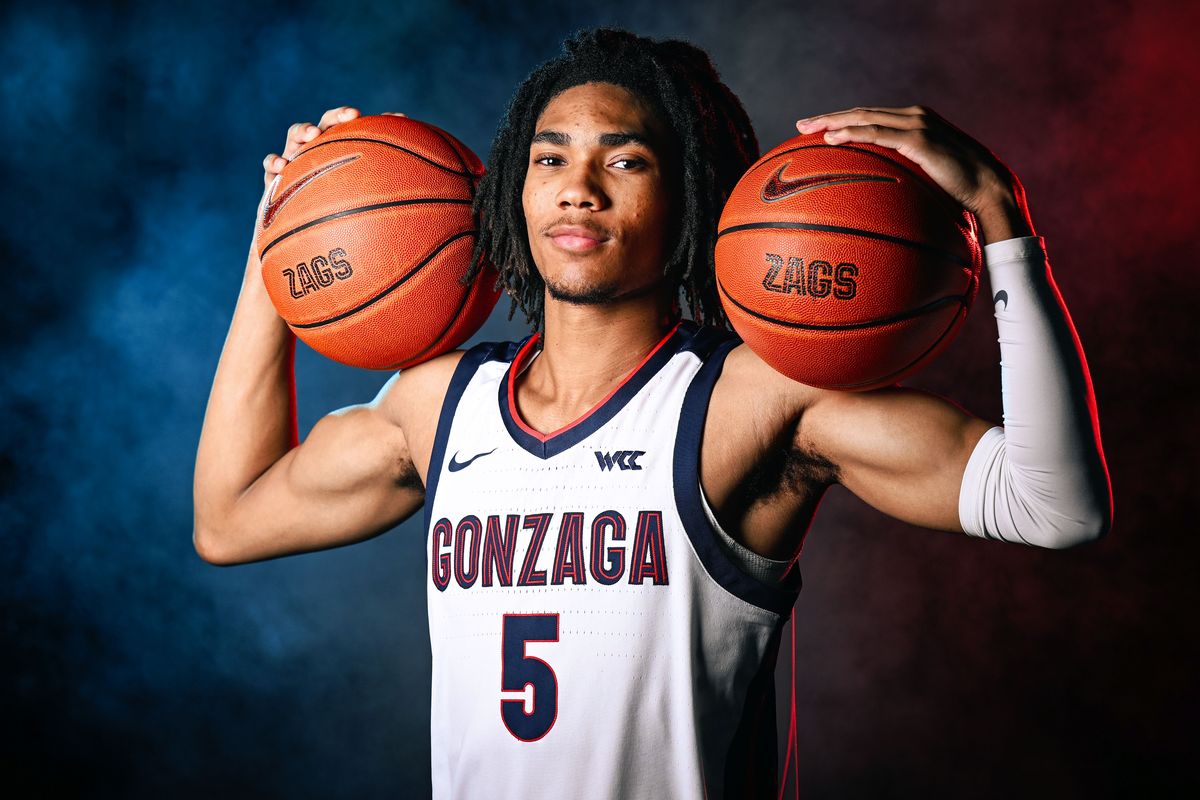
(927, 664)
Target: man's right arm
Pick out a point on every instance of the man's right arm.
(258, 492)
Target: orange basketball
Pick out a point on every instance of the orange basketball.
(364, 239)
(844, 266)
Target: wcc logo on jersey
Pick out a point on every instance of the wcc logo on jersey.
(621, 459)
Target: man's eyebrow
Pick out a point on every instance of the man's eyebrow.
(624, 138)
(616, 139)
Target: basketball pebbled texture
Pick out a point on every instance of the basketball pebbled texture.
(364, 237)
(844, 266)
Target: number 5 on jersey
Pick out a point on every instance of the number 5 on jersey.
(520, 673)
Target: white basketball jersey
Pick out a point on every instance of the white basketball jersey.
(591, 638)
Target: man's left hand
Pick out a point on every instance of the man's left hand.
(964, 168)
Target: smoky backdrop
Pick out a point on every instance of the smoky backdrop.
(927, 664)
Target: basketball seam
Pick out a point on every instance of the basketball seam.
(886, 237)
(849, 326)
(471, 175)
(465, 174)
(466, 170)
(441, 336)
(888, 378)
(388, 290)
(471, 183)
(359, 210)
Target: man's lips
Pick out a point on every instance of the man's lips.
(576, 243)
(576, 238)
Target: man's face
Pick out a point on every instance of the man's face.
(597, 161)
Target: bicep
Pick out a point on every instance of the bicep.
(902, 451)
(351, 479)
(355, 466)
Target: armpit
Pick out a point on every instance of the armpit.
(407, 476)
(789, 468)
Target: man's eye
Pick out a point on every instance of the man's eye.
(637, 162)
(544, 158)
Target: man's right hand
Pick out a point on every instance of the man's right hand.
(302, 133)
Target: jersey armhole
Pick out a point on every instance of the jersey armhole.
(464, 371)
(778, 599)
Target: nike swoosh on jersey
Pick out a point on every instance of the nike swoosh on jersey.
(776, 188)
(456, 465)
(274, 206)
(1001, 296)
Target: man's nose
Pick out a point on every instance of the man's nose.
(581, 188)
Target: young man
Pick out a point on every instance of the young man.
(613, 504)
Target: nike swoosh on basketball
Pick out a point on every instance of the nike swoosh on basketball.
(272, 209)
(456, 465)
(776, 188)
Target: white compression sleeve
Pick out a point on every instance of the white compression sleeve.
(1041, 479)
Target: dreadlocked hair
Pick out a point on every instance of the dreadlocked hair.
(710, 131)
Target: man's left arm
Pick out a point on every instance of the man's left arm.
(1040, 479)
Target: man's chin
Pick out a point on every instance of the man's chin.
(593, 295)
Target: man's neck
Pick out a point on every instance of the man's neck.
(588, 349)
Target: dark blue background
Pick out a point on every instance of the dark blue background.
(928, 664)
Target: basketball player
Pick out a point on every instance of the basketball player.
(614, 505)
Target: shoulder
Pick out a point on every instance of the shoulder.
(767, 415)
(418, 388)
(751, 391)
(412, 398)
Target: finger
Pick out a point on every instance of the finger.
(335, 116)
(274, 163)
(907, 111)
(904, 141)
(904, 118)
(860, 116)
(299, 135)
(394, 114)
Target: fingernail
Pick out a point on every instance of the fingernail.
(833, 136)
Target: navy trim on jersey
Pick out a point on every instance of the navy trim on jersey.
(713, 349)
(600, 415)
(703, 340)
(463, 372)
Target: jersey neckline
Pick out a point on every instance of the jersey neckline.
(546, 445)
